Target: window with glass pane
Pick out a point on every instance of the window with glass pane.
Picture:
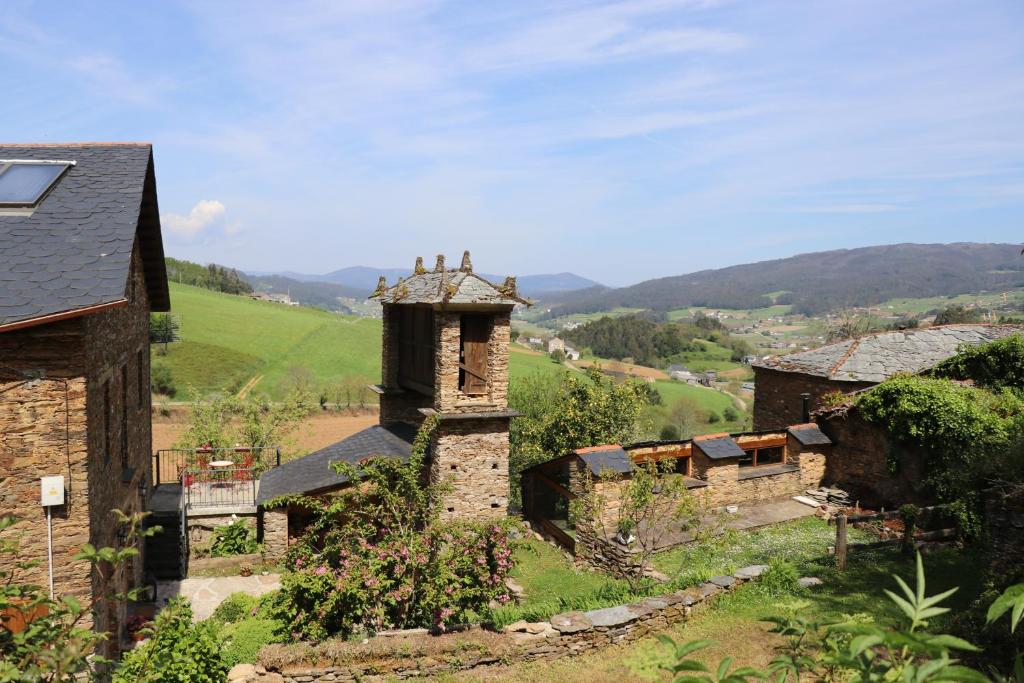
(23, 184)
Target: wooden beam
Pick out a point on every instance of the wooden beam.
(63, 315)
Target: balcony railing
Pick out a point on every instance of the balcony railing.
(219, 487)
(170, 464)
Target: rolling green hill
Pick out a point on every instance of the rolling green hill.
(228, 341)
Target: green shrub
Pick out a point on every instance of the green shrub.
(236, 607)
(714, 417)
(781, 578)
(241, 641)
(233, 539)
(161, 380)
(178, 651)
(730, 414)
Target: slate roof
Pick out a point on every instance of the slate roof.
(74, 251)
(445, 286)
(611, 457)
(877, 357)
(313, 473)
(718, 447)
(809, 435)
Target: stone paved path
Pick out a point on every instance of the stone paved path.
(205, 593)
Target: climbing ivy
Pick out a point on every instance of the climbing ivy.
(969, 435)
(996, 365)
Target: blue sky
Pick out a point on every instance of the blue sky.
(621, 141)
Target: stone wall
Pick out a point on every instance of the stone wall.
(275, 532)
(43, 433)
(119, 422)
(777, 401)
(473, 455)
(447, 396)
(411, 656)
(859, 462)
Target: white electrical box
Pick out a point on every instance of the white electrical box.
(52, 491)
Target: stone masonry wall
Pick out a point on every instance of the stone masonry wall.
(118, 399)
(43, 433)
(858, 462)
(275, 532)
(447, 396)
(473, 454)
(563, 635)
(777, 401)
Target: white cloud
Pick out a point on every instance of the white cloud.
(204, 214)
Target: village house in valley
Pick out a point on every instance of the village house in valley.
(82, 268)
(446, 337)
(855, 364)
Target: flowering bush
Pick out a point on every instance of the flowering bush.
(377, 556)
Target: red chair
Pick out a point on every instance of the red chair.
(243, 472)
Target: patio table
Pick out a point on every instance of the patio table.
(217, 465)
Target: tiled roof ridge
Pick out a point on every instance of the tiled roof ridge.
(845, 357)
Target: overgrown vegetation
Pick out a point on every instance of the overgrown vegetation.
(177, 650)
(236, 538)
(860, 651)
(970, 435)
(377, 556)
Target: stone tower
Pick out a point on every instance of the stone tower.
(445, 353)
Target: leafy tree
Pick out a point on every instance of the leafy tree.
(558, 355)
(686, 415)
(570, 412)
(994, 365)
(653, 502)
(212, 276)
(730, 414)
(669, 433)
(223, 422)
(163, 329)
(958, 314)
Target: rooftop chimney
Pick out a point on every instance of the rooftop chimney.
(418, 269)
(439, 268)
(466, 266)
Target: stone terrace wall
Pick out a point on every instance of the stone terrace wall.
(473, 454)
(563, 635)
(777, 402)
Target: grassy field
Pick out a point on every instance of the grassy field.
(735, 622)
(228, 341)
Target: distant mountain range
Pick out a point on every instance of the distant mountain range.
(818, 282)
(360, 281)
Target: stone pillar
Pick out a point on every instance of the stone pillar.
(275, 532)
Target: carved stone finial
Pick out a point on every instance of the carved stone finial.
(466, 266)
(509, 288)
(418, 269)
(439, 268)
(382, 286)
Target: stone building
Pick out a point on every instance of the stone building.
(82, 267)
(724, 469)
(445, 349)
(854, 364)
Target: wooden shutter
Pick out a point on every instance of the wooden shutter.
(476, 330)
(416, 348)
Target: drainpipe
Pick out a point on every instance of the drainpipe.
(805, 402)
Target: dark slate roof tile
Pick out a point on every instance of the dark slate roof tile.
(313, 473)
(809, 435)
(602, 458)
(718, 447)
(53, 258)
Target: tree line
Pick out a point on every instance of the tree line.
(212, 276)
(653, 343)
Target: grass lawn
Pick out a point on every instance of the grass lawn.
(734, 622)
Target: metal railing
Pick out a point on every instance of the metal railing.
(218, 487)
(169, 464)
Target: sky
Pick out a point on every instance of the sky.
(619, 141)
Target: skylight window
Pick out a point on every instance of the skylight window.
(24, 183)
